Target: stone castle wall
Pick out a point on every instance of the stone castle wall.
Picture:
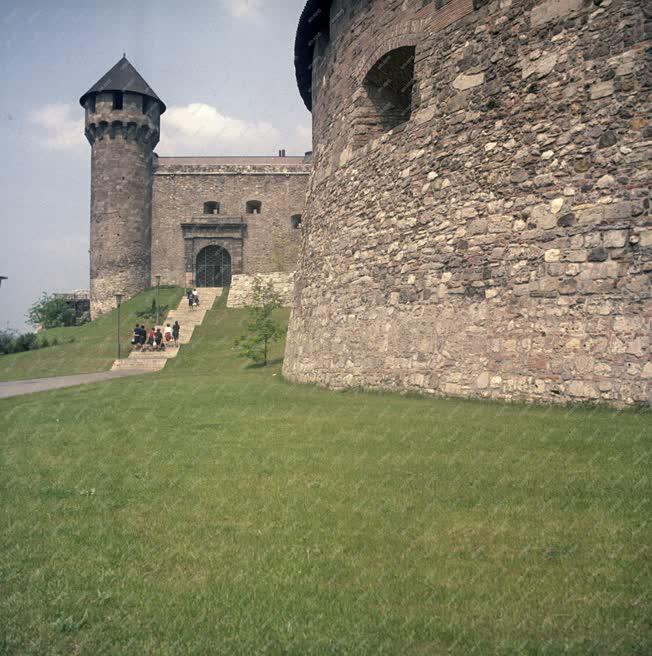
(268, 243)
(498, 244)
(241, 293)
(122, 143)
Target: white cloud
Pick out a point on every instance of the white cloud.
(63, 126)
(194, 129)
(247, 9)
(200, 129)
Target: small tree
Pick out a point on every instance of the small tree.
(262, 329)
(51, 312)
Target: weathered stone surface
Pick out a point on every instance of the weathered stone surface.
(505, 275)
(598, 254)
(540, 67)
(608, 139)
(550, 10)
(261, 242)
(242, 288)
(615, 238)
(601, 90)
(122, 143)
(463, 82)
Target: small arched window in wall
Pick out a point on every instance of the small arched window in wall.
(253, 206)
(389, 85)
(211, 207)
(117, 99)
(295, 221)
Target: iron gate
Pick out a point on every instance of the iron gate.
(213, 267)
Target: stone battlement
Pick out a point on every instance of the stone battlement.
(231, 166)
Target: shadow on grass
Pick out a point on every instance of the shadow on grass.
(260, 365)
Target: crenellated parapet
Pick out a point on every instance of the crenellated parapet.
(130, 132)
(132, 116)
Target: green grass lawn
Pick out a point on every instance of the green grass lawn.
(212, 508)
(88, 348)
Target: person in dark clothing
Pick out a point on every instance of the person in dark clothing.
(135, 339)
(159, 340)
(175, 333)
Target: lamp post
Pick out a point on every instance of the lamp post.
(158, 284)
(118, 300)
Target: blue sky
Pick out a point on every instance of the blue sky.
(224, 68)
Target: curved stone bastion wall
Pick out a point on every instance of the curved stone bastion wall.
(488, 234)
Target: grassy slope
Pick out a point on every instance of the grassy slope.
(93, 348)
(210, 508)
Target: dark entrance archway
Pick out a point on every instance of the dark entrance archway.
(213, 267)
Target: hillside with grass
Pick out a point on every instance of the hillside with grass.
(213, 507)
(88, 348)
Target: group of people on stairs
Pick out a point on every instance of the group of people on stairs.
(156, 339)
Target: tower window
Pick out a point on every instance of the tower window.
(254, 206)
(389, 86)
(211, 207)
(117, 99)
(295, 221)
(90, 104)
(145, 104)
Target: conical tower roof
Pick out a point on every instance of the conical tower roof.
(123, 77)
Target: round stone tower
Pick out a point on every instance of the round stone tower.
(478, 216)
(122, 126)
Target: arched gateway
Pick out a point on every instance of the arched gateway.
(213, 267)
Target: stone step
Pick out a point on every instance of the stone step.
(187, 318)
(121, 365)
(154, 355)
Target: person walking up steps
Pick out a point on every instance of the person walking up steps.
(175, 333)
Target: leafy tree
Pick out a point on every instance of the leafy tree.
(261, 328)
(7, 339)
(51, 312)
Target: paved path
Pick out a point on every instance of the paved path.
(17, 387)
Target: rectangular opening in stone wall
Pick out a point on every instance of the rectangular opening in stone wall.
(211, 207)
(387, 102)
(90, 104)
(253, 207)
(117, 99)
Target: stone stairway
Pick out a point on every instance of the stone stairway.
(188, 319)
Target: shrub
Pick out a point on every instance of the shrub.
(7, 338)
(149, 314)
(83, 318)
(26, 342)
